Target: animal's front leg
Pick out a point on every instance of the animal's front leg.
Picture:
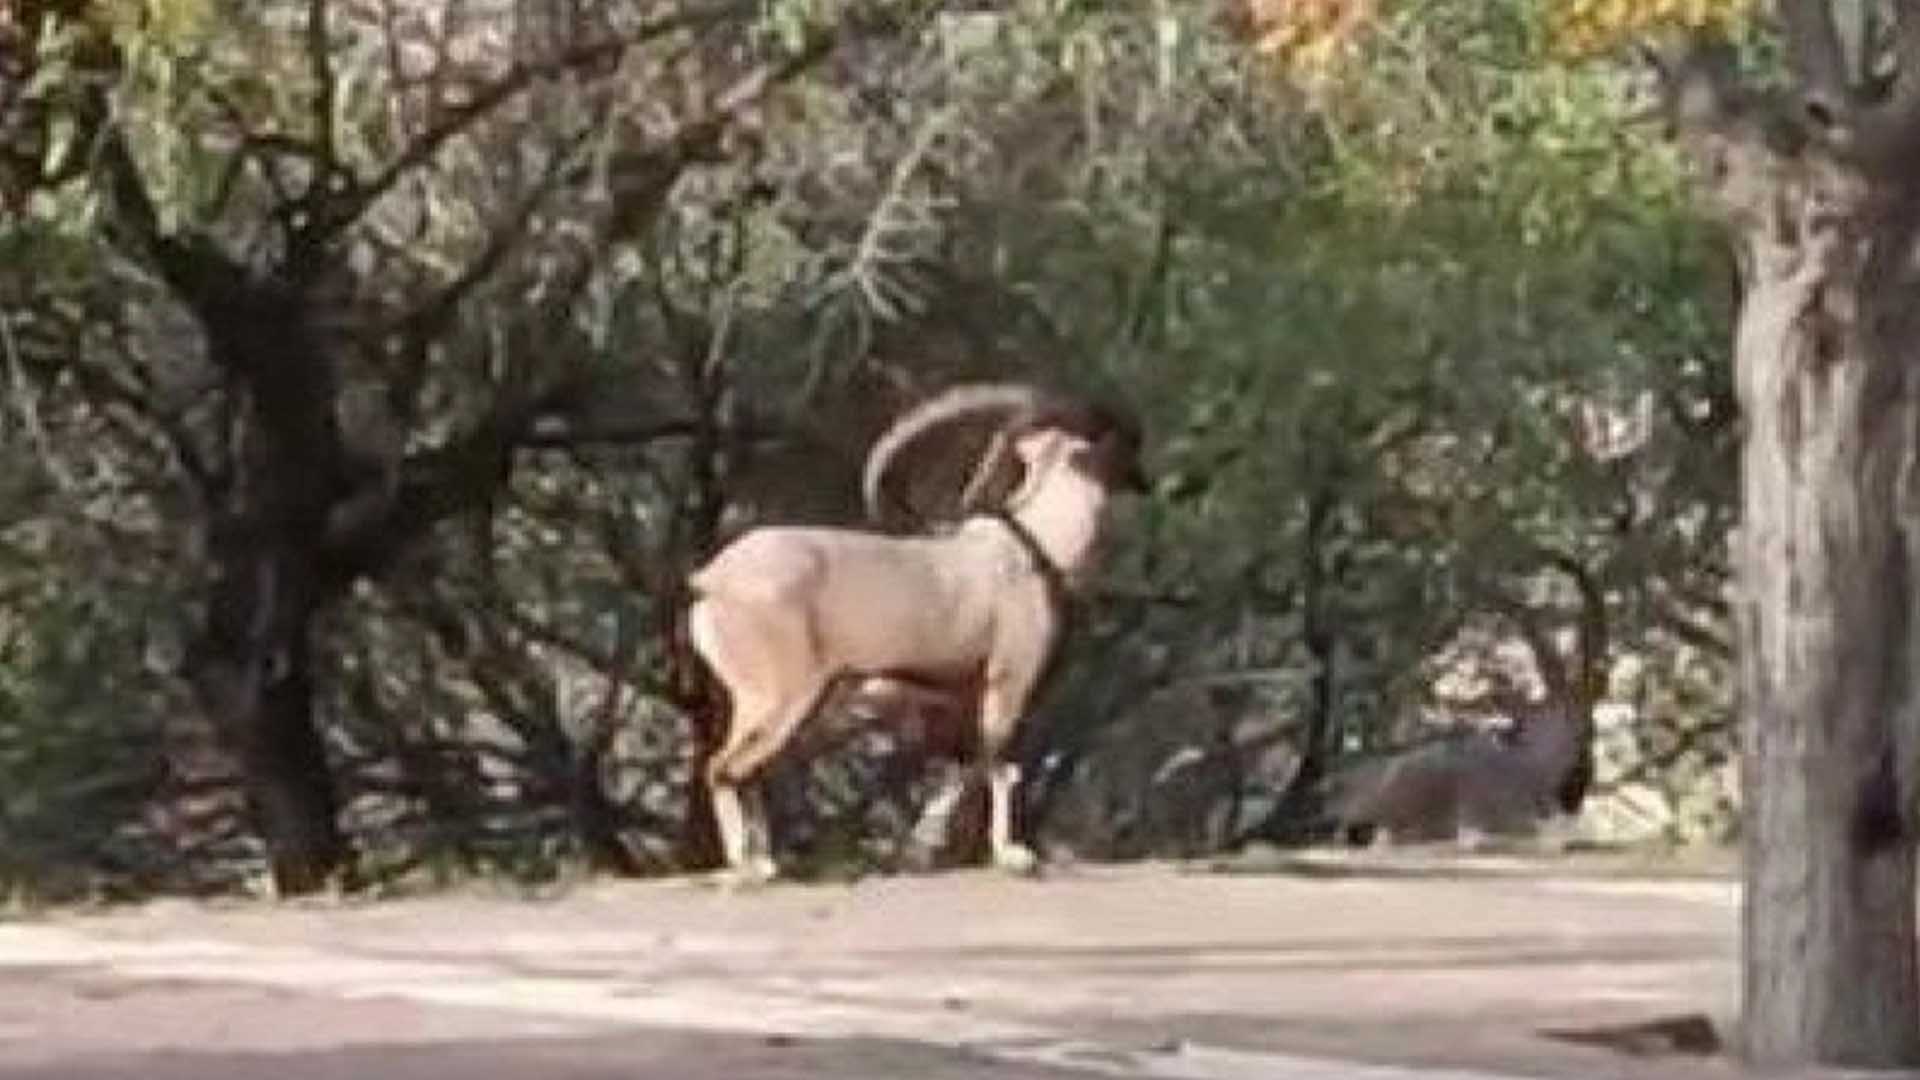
(759, 865)
(933, 831)
(741, 820)
(1008, 854)
(729, 817)
(999, 713)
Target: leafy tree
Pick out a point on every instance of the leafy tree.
(299, 185)
(1801, 120)
(1374, 317)
(1807, 160)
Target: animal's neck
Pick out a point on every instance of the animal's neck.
(1062, 514)
(1548, 739)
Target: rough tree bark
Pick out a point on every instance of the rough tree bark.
(252, 672)
(1821, 190)
(1826, 639)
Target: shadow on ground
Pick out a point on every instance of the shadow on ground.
(649, 1055)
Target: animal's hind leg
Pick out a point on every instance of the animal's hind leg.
(732, 816)
(734, 643)
(765, 659)
(758, 732)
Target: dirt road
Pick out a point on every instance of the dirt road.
(1150, 972)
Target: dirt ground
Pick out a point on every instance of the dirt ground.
(1372, 968)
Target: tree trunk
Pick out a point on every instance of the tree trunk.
(1829, 383)
(1300, 814)
(1571, 794)
(704, 703)
(253, 665)
(1588, 685)
(694, 688)
(596, 820)
(253, 673)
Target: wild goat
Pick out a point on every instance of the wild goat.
(1461, 787)
(784, 613)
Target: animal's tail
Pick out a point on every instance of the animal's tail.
(689, 679)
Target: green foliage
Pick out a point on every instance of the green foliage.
(1408, 303)
(1371, 329)
(85, 617)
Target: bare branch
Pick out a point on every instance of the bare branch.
(428, 320)
(198, 272)
(265, 147)
(107, 390)
(555, 433)
(1676, 619)
(1546, 657)
(467, 470)
(508, 88)
(325, 90)
(541, 632)
(645, 179)
(1591, 632)
(1686, 742)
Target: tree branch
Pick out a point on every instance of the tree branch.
(554, 433)
(1546, 658)
(103, 388)
(325, 91)
(197, 272)
(539, 631)
(1591, 627)
(439, 483)
(1690, 629)
(640, 190)
(462, 474)
(420, 326)
(489, 99)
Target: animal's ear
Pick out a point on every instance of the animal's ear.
(1035, 443)
(1044, 449)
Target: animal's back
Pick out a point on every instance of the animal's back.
(877, 602)
(771, 561)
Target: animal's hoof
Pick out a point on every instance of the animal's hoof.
(919, 859)
(1017, 859)
(749, 875)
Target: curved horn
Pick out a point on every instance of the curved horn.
(992, 461)
(958, 401)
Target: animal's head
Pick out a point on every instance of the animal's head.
(1036, 432)
(1096, 440)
